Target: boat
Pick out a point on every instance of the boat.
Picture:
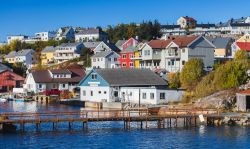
(3, 100)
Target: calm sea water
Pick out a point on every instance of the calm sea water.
(111, 134)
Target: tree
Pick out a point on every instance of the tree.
(191, 73)
(15, 45)
(174, 80)
(241, 55)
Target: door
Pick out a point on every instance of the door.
(248, 102)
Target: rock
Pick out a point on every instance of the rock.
(223, 99)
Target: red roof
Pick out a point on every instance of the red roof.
(246, 92)
(189, 18)
(159, 44)
(243, 45)
(184, 41)
(181, 41)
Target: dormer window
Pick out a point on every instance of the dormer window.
(93, 76)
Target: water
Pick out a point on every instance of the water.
(111, 134)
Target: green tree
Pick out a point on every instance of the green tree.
(15, 45)
(241, 55)
(191, 73)
(174, 80)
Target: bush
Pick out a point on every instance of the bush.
(174, 80)
(191, 73)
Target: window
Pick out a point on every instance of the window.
(131, 55)
(152, 95)
(124, 56)
(109, 59)
(93, 76)
(124, 65)
(94, 59)
(183, 50)
(100, 92)
(130, 94)
(183, 62)
(84, 93)
(162, 95)
(91, 93)
(105, 92)
(115, 59)
(131, 64)
(63, 85)
(40, 85)
(144, 95)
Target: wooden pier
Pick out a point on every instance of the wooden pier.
(169, 118)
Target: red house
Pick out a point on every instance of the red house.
(10, 80)
(126, 57)
(130, 43)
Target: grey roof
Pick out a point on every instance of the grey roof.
(11, 54)
(66, 30)
(119, 43)
(91, 44)
(130, 49)
(70, 44)
(19, 53)
(131, 77)
(49, 49)
(88, 31)
(220, 42)
(112, 46)
(103, 54)
(3, 67)
(24, 52)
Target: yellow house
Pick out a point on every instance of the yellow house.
(47, 55)
(222, 46)
(11, 57)
(137, 58)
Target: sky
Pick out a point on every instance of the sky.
(30, 16)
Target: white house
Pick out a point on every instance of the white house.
(183, 48)
(105, 46)
(126, 85)
(25, 56)
(16, 37)
(105, 59)
(65, 32)
(91, 34)
(62, 79)
(67, 51)
(45, 36)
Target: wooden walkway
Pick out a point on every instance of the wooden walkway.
(168, 118)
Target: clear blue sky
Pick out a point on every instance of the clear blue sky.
(30, 16)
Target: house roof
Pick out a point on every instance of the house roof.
(103, 54)
(159, 44)
(131, 77)
(205, 25)
(60, 71)
(119, 43)
(70, 44)
(245, 92)
(88, 31)
(112, 46)
(170, 26)
(11, 54)
(91, 44)
(181, 41)
(43, 76)
(220, 42)
(184, 41)
(66, 30)
(130, 49)
(189, 18)
(49, 49)
(3, 67)
(19, 53)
